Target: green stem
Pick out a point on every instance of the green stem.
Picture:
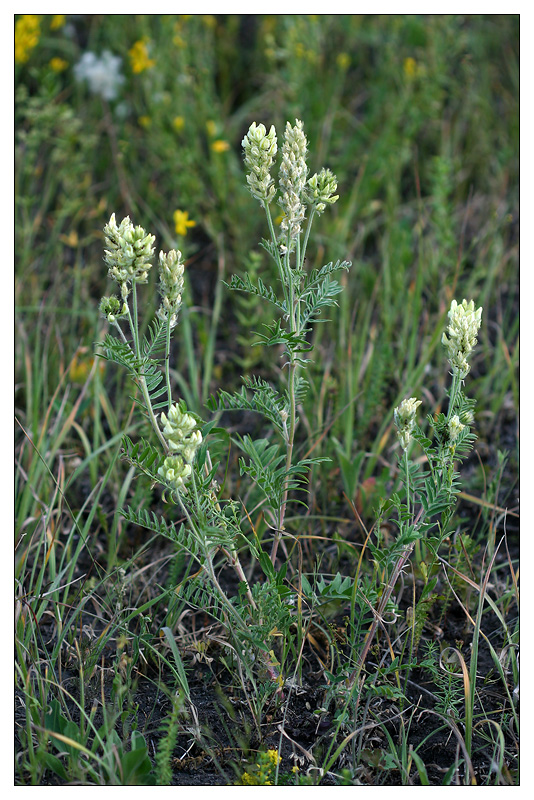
(456, 381)
(307, 235)
(167, 361)
(283, 277)
(407, 480)
(135, 327)
(230, 609)
(289, 457)
(150, 412)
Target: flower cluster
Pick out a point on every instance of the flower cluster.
(171, 285)
(262, 773)
(293, 172)
(129, 254)
(260, 149)
(27, 33)
(404, 417)
(461, 336)
(181, 431)
(139, 58)
(175, 471)
(296, 192)
(111, 308)
(101, 73)
(321, 188)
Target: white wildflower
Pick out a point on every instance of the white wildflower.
(259, 151)
(455, 426)
(102, 73)
(293, 173)
(181, 431)
(404, 417)
(461, 336)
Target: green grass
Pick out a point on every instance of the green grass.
(418, 118)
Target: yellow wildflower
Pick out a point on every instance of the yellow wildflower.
(139, 56)
(220, 146)
(178, 123)
(82, 364)
(58, 64)
(58, 20)
(209, 21)
(274, 757)
(410, 67)
(343, 61)
(211, 128)
(71, 239)
(182, 222)
(145, 121)
(27, 33)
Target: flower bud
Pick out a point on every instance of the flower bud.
(320, 189)
(110, 308)
(171, 285)
(174, 471)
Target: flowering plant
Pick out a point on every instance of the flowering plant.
(215, 530)
(181, 462)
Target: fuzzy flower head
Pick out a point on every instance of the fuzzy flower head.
(461, 336)
(175, 471)
(181, 432)
(260, 148)
(320, 190)
(171, 285)
(404, 417)
(129, 253)
(293, 173)
(102, 73)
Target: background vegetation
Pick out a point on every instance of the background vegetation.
(418, 118)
